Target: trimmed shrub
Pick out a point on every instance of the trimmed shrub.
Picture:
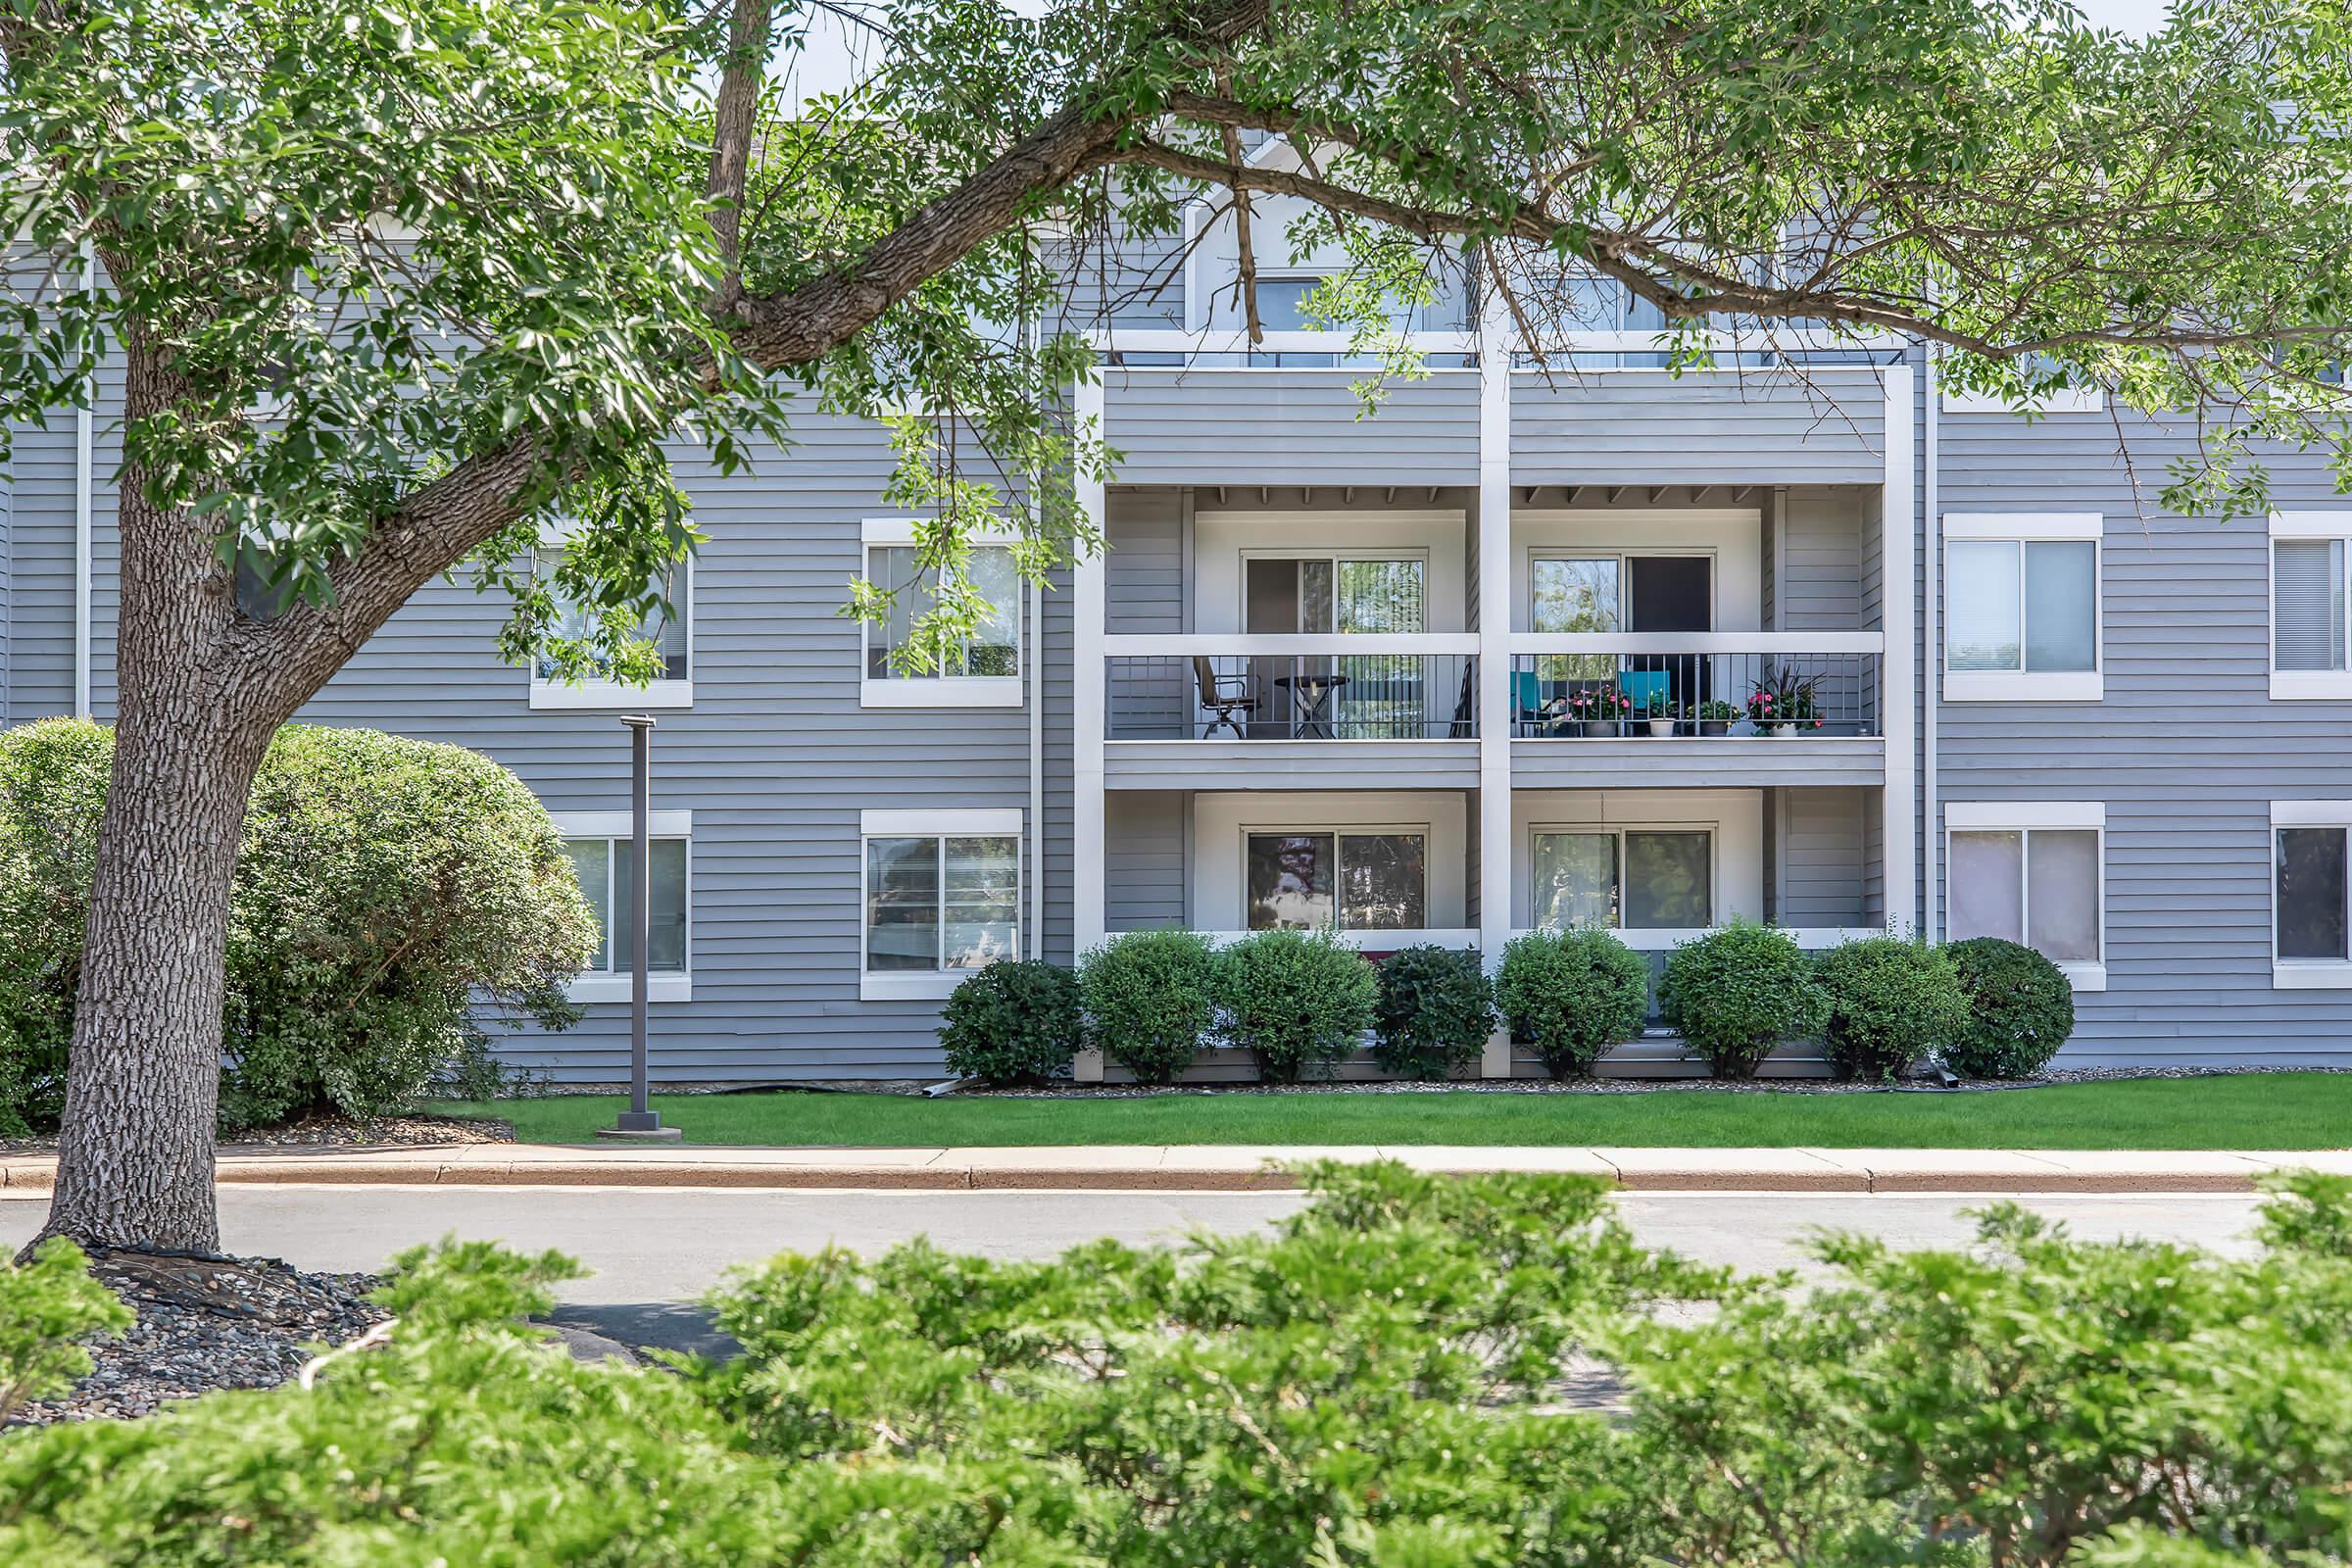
(1297, 1003)
(1572, 994)
(1435, 1011)
(1011, 1022)
(1891, 1003)
(1735, 993)
(2020, 1009)
(1150, 999)
(394, 900)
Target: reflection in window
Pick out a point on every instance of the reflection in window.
(1667, 879)
(1353, 881)
(993, 646)
(663, 628)
(940, 902)
(608, 877)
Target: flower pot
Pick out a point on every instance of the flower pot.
(1714, 726)
(1783, 732)
(1661, 727)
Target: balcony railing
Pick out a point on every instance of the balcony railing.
(1292, 687)
(1702, 686)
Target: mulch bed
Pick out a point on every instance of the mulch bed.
(332, 1131)
(207, 1322)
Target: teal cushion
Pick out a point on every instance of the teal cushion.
(1527, 692)
(1640, 685)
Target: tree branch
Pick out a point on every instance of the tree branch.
(734, 114)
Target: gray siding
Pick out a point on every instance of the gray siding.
(1144, 858)
(2187, 750)
(1704, 427)
(1289, 427)
(1817, 856)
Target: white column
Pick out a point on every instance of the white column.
(1898, 581)
(1087, 717)
(1496, 893)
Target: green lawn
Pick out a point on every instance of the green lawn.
(2273, 1110)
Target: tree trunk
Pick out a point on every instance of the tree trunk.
(135, 1156)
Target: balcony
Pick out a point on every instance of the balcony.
(1235, 711)
(1669, 708)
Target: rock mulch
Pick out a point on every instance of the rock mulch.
(336, 1132)
(206, 1323)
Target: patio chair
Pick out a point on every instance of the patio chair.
(1227, 697)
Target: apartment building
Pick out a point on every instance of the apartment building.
(1395, 672)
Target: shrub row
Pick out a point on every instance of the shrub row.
(1151, 1000)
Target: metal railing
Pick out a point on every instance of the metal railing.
(1626, 687)
(1292, 696)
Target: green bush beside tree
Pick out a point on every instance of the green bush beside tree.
(1891, 1002)
(1151, 1000)
(1012, 1022)
(394, 900)
(1434, 1010)
(1572, 994)
(2020, 1009)
(1738, 991)
(1300, 1003)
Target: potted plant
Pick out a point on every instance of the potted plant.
(1660, 713)
(1597, 710)
(1716, 717)
(1785, 705)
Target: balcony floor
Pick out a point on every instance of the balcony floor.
(1687, 761)
(1334, 764)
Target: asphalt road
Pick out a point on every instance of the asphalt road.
(653, 1252)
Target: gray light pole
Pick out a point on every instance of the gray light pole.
(640, 1120)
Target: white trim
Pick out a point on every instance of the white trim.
(2304, 974)
(671, 824)
(2302, 685)
(1441, 935)
(1811, 938)
(886, 531)
(2021, 816)
(2068, 399)
(1701, 641)
(2037, 525)
(929, 824)
(942, 691)
(1494, 544)
(668, 986)
(2023, 686)
(1899, 810)
(1236, 340)
(2029, 816)
(1088, 714)
(2311, 524)
(1276, 645)
(618, 829)
(614, 696)
(932, 985)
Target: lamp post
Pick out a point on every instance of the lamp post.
(640, 1120)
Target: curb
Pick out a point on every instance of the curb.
(1212, 1170)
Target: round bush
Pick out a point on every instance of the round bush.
(1735, 993)
(393, 898)
(1891, 1003)
(1011, 1022)
(1572, 994)
(1297, 1003)
(1150, 999)
(2020, 1009)
(1435, 1011)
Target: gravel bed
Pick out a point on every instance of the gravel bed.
(342, 1131)
(1619, 1086)
(206, 1323)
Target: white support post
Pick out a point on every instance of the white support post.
(1898, 581)
(1087, 718)
(1496, 892)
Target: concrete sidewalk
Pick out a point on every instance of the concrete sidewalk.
(1204, 1167)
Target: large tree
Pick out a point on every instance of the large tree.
(391, 280)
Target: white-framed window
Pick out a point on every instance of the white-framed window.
(600, 845)
(670, 632)
(2032, 872)
(1351, 878)
(1623, 878)
(2311, 895)
(2022, 608)
(2308, 553)
(940, 897)
(984, 671)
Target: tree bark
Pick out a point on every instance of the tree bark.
(136, 1155)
